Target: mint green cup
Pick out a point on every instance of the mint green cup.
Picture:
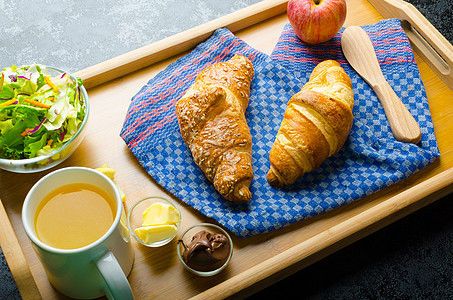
(92, 271)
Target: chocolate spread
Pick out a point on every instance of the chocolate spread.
(206, 251)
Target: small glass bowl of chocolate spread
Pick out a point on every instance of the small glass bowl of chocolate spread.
(205, 249)
(154, 221)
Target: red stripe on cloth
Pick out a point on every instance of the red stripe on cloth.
(295, 40)
(251, 56)
(388, 42)
(150, 115)
(393, 60)
(295, 49)
(386, 31)
(137, 122)
(303, 59)
(225, 52)
(152, 129)
(395, 50)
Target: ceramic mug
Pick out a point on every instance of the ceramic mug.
(97, 269)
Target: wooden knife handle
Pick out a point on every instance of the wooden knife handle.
(403, 125)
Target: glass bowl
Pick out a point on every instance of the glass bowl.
(186, 239)
(135, 221)
(41, 163)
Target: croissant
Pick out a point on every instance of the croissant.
(211, 118)
(315, 126)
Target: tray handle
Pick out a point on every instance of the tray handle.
(427, 41)
(15, 258)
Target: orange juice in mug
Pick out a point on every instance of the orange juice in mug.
(72, 216)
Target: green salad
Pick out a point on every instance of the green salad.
(38, 113)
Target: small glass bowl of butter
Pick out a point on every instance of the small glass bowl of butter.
(154, 221)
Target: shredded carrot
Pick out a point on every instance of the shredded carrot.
(51, 98)
(49, 142)
(26, 132)
(51, 84)
(9, 102)
(36, 103)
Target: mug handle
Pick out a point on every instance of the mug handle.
(117, 285)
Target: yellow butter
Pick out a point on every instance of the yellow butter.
(153, 234)
(123, 225)
(160, 214)
(110, 173)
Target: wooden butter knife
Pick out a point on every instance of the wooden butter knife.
(359, 51)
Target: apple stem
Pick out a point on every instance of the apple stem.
(317, 2)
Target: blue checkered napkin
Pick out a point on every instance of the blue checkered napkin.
(152, 133)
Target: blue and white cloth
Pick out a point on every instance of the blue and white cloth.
(370, 160)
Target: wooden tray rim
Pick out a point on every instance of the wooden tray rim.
(429, 190)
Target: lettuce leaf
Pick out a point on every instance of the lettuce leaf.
(5, 126)
(12, 141)
(34, 144)
(7, 92)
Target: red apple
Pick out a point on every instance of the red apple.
(316, 21)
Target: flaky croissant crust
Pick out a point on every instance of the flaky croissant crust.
(211, 117)
(315, 126)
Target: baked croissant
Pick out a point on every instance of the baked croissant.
(211, 117)
(315, 126)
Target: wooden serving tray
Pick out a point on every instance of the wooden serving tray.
(258, 261)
